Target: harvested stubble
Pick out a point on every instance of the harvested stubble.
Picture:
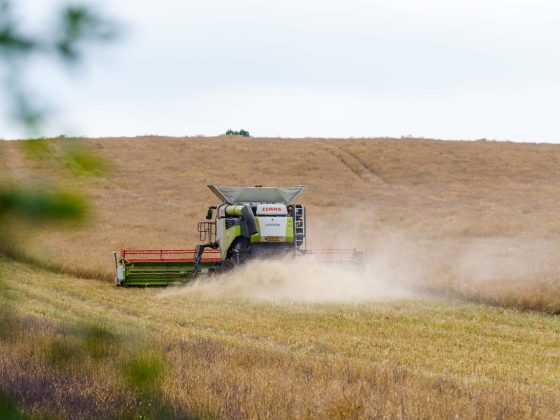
(236, 358)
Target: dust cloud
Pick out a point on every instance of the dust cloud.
(399, 265)
(300, 279)
(502, 259)
(491, 269)
(383, 275)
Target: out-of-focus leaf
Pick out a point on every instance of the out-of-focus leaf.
(77, 343)
(98, 341)
(36, 147)
(73, 154)
(27, 111)
(81, 160)
(39, 206)
(144, 372)
(64, 350)
(8, 408)
(11, 42)
(10, 324)
(79, 25)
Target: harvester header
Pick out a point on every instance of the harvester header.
(250, 223)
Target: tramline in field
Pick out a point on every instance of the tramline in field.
(251, 222)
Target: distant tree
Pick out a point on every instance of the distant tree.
(241, 132)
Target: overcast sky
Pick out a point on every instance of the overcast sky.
(460, 69)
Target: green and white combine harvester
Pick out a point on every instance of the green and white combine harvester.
(251, 223)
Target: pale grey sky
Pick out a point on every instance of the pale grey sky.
(461, 69)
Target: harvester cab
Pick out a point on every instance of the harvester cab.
(250, 222)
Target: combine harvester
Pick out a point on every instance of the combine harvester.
(251, 223)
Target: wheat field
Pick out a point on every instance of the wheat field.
(476, 220)
(456, 315)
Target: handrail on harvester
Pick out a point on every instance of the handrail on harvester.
(168, 255)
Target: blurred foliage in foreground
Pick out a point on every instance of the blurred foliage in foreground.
(35, 205)
(128, 375)
(103, 373)
(75, 28)
(37, 201)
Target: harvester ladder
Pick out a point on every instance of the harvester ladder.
(299, 225)
(199, 250)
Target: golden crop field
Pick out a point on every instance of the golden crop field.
(454, 315)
